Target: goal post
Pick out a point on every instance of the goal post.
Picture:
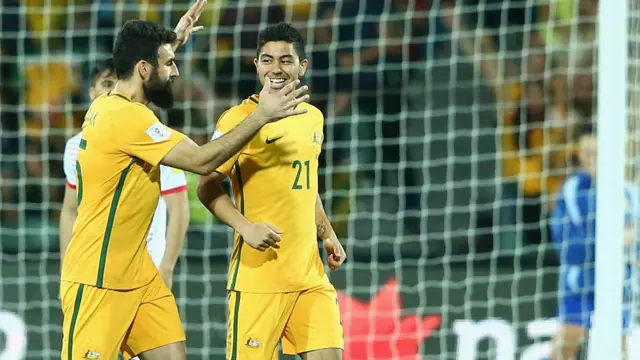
(612, 125)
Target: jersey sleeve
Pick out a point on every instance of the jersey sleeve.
(146, 138)
(229, 120)
(69, 164)
(172, 180)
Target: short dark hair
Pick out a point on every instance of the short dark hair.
(139, 40)
(100, 67)
(282, 31)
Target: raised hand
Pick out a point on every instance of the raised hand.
(186, 26)
(281, 103)
(261, 236)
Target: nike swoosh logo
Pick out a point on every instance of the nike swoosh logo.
(269, 141)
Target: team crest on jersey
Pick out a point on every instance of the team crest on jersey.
(316, 138)
(253, 343)
(91, 355)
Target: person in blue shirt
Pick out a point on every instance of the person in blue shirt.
(573, 225)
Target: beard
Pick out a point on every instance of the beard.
(158, 91)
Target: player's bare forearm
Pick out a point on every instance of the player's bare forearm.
(203, 160)
(336, 255)
(68, 216)
(259, 236)
(216, 200)
(323, 225)
(217, 151)
(178, 209)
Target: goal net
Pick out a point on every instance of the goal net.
(449, 128)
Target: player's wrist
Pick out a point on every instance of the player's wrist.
(166, 266)
(243, 227)
(331, 239)
(259, 117)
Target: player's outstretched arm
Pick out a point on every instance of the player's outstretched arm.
(274, 105)
(202, 160)
(215, 199)
(335, 251)
(68, 216)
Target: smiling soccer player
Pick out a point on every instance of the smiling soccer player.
(278, 289)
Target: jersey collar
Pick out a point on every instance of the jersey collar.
(115, 93)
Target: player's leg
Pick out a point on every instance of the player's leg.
(95, 320)
(314, 330)
(574, 317)
(157, 332)
(166, 352)
(566, 342)
(322, 354)
(255, 324)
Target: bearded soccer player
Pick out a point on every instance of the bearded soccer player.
(112, 295)
(278, 288)
(164, 242)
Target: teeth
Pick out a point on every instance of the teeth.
(277, 81)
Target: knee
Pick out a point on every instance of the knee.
(565, 348)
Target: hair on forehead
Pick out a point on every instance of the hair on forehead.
(102, 67)
(139, 40)
(263, 52)
(282, 32)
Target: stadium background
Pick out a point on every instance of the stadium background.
(449, 127)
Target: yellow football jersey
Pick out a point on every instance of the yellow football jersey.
(275, 181)
(118, 185)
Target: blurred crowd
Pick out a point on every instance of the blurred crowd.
(367, 58)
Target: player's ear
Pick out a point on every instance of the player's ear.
(303, 67)
(92, 93)
(255, 62)
(144, 69)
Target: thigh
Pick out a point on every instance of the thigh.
(255, 324)
(323, 354)
(157, 322)
(567, 341)
(95, 320)
(315, 322)
(174, 351)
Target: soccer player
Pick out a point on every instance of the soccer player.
(163, 242)
(573, 231)
(112, 295)
(277, 287)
